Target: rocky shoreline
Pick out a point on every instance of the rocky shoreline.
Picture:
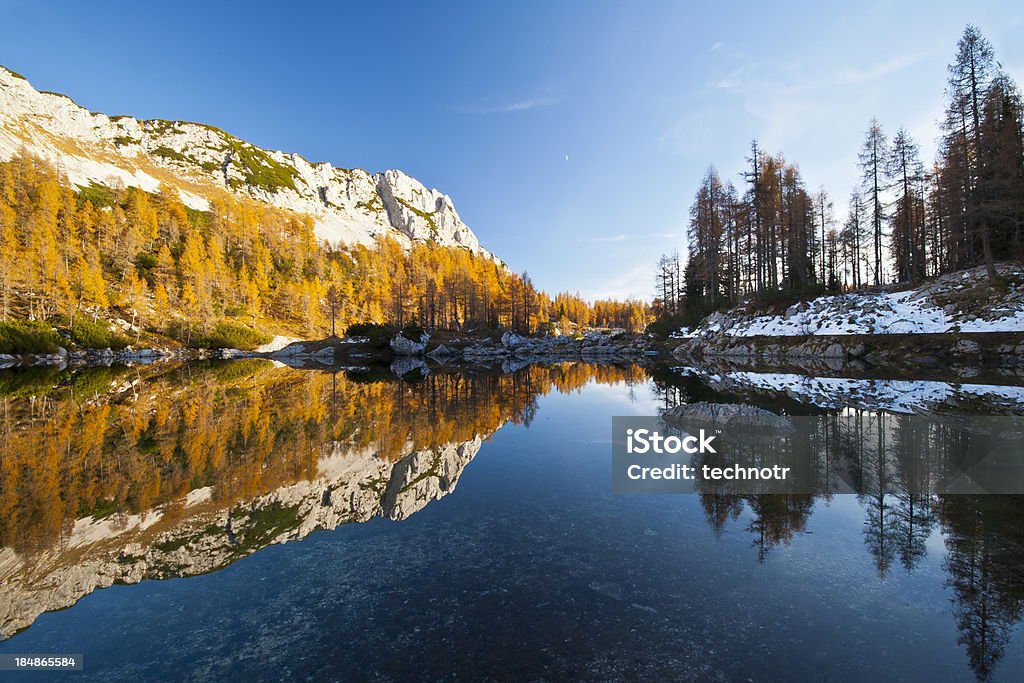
(511, 352)
(923, 350)
(510, 348)
(94, 357)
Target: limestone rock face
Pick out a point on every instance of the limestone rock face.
(348, 205)
(421, 213)
(425, 476)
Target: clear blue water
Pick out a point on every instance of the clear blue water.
(533, 570)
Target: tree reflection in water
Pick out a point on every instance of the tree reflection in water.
(880, 456)
(109, 444)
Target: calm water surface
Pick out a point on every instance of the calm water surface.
(326, 539)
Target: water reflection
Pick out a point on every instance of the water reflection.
(985, 565)
(118, 475)
(984, 559)
(879, 451)
(121, 474)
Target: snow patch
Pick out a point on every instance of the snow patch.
(863, 313)
(898, 396)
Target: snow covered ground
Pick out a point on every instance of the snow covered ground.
(915, 311)
(893, 395)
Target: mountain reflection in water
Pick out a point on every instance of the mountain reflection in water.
(115, 475)
(111, 475)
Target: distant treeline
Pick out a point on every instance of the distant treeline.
(774, 239)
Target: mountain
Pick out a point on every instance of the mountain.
(198, 160)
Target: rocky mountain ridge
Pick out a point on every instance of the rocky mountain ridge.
(348, 205)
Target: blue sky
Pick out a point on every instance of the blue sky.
(571, 135)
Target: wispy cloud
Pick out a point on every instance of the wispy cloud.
(796, 75)
(853, 75)
(782, 96)
(517, 105)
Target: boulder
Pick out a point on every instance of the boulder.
(730, 415)
(325, 355)
(403, 365)
(834, 350)
(511, 340)
(294, 349)
(967, 347)
(442, 353)
(403, 346)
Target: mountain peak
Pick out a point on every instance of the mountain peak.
(198, 160)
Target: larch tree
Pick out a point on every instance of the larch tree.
(970, 76)
(872, 159)
(905, 171)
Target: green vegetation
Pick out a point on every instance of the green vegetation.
(379, 335)
(99, 195)
(102, 508)
(371, 374)
(226, 335)
(666, 325)
(49, 380)
(198, 218)
(374, 206)
(14, 73)
(428, 217)
(412, 332)
(259, 168)
(432, 472)
(145, 262)
(28, 336)
(378, 486)
(168, 153)
(90, 381)
(266, 523)
(172, 544)
(125, 140)
(160, 126)
(95, 334)
(22, 382)
(234, 370)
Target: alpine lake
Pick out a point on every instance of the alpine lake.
(246, 520)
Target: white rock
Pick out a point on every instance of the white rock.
(511, 340)
(349, 205)
(403, 346)
(276, 344)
